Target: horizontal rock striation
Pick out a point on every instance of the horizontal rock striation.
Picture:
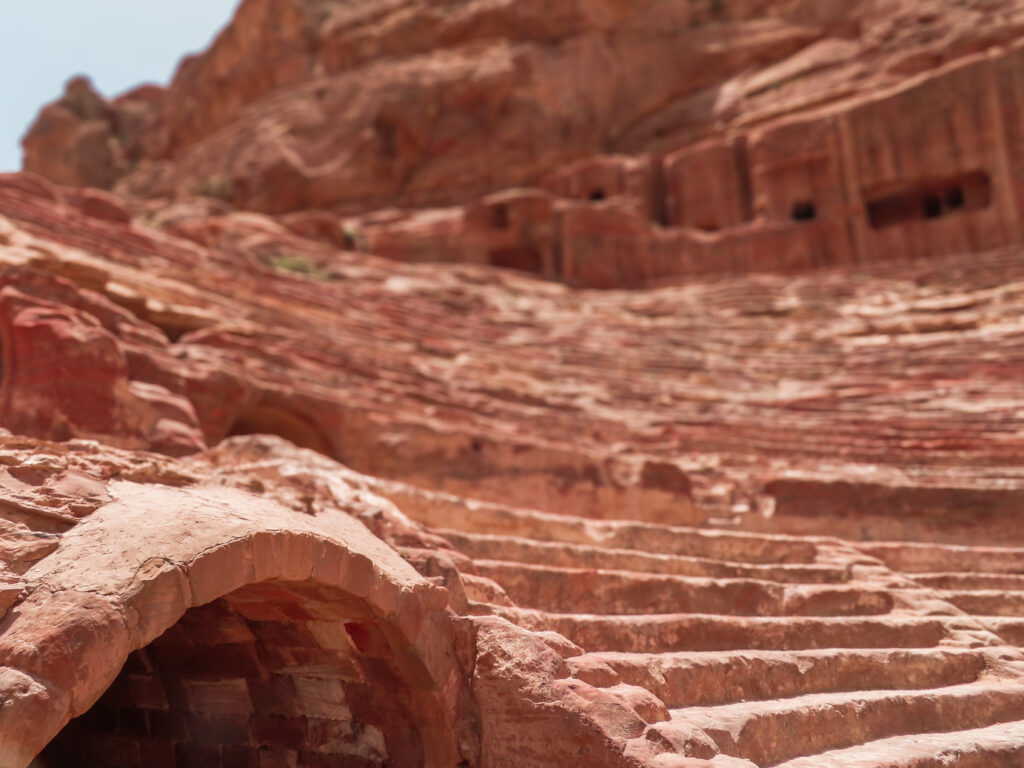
(270, 501)
(561, 583)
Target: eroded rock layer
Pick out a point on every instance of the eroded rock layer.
(561, 580)
(270, 501)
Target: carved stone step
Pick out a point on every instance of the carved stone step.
(702, 632)
(494, 519)
(997, 746)
(770, 732)
(575, 590)
(704, 679)
(970, 581)
(927, 558)
(989, 602)
(568, 555)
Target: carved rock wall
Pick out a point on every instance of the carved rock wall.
(268, 501)
(925, 169)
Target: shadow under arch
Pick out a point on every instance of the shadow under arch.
(252, 635)
(270, 419)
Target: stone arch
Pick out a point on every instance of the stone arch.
(269, 419)
(326, 610)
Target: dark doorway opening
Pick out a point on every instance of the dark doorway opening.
(932, 207)
(525, 258)
(271, 420)
(804, 210)
(499, 217)
(275, 674)
(929, 199)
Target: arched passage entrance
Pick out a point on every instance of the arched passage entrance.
(268, 419)
(227, 631)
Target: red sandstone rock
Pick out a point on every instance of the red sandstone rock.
(72, 141)
(66, 375)
(310, 507)
(786, 92)
(886, 635)
(477, 77)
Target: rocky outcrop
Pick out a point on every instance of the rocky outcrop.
(448, 84)
(67, 369)
(308, 104)
(927, 168)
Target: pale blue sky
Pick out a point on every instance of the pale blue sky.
(117, 43)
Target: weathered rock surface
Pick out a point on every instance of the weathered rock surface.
(630, 141)
(268, 501)
(885, 393)
(874, 403)
(470, 96)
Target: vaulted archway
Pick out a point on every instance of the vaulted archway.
(228, 632)
(267, 419)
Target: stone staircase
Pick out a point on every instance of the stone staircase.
(769, 394)
(791, 652)
(881, 404)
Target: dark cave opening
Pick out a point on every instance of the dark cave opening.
(524, 258)
(275, 675)
(803, 211)
(272, 420)
(930, 199)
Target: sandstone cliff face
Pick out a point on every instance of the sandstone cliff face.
(336, 109)
(269, 500)
(307, 104)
